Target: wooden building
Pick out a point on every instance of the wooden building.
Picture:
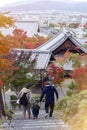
(62, 42)
(56, 46)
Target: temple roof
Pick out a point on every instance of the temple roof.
(44, 52)
(31, 28)
(43, 57)
(59, 39)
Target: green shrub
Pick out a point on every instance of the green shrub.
(13, 100)
(71, 88)
(9, 113)
(70, 106)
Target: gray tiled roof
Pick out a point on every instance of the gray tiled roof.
(43, 57)
(58, 40)
(31, 28)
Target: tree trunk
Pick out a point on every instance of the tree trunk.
(2, 111)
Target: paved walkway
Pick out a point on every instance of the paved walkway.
(35, 124)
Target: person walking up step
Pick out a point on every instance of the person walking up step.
(25, 97)
(35, 109)
(48, 92)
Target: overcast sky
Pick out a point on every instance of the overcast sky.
(4, 2)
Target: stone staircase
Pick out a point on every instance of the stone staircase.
(35, 124)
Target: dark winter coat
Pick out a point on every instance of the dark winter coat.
(48, 92)
(35, 110)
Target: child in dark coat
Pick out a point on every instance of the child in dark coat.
(35, 109)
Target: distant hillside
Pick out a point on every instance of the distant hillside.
(46, 5)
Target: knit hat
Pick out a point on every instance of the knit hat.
(28, 85)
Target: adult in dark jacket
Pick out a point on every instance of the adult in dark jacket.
(49, 91)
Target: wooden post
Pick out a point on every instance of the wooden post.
(2, 111)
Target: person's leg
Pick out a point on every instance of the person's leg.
(46, 107)
(24, 111)
(33, 112)
(51, 109)
(37, 113)
(28, 110)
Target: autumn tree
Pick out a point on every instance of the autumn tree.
(57, 73)
(80, 76)
(5, 64)
(78, 72)
(76, 59)
(24, 71)
(19, 39)
(5, 46)
(73, 25)
(62, 60)
(22, 40)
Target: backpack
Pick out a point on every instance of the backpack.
(23, 100)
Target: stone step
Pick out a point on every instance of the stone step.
(35, 124)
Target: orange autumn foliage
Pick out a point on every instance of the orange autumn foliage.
(5, 64)
(22, 40)
(62, 60)
(80, 76)
(5, 20)
(18, 39)
(57, 73)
